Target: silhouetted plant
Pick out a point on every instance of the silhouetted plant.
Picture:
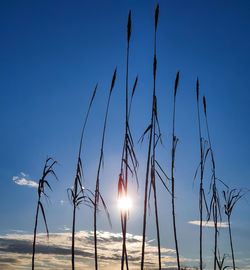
(174, 145)
(98, 195)
(154, 137)
(220, 261)
(128, 160)
(231, 197)
(47, 170)
(201, 167)
(76, 193)
(214, 208)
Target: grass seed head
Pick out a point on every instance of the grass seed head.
(129, 27)
(156, 16)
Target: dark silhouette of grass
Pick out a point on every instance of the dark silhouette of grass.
(231, 197)
(201, 167)
(214, 203)
(214, 208)
(156, 138)
(76, 194)
(220, 261)
(153, 139)
(174, 144)
(129, 163)
(48, 169)
(98, 195)
(128, 160)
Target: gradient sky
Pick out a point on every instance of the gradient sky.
(52, 53)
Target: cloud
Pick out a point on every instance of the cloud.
(23, 181)
(208, 223)
(55, 252)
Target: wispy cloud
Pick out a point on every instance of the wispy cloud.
(16, 249)
(208, 223)
(23, 180)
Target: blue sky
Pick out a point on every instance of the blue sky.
(52, 53)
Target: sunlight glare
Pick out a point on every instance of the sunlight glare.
(124, 203)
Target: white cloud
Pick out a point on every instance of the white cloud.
(17, 250)
(208, 223)
(23, 181)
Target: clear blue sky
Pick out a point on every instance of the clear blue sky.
(52, 53)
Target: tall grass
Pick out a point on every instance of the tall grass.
(156, 138)
(221, 261)
(214, 208)
(174, 144)
(202, 167)
(98, 195)
(231, 197)
(151, 160)
(76, 194)
(48, 169)
(128, 160)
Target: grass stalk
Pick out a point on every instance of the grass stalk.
(214, 204)
(76, 195)
(155, 143)
(152, 141)
(128, 160)
(174, 144)
(201, 172)
(97, 190)
(231, 197)
(124, 216)
(47, 170)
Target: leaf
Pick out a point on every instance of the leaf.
(145, 132)
(197, 89)
(46, 182)
(176, 83)
(106, 210)
(205, 105)
(113, 81)
(44, 218)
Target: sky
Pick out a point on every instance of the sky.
(52, 54)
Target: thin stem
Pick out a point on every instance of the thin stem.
(97, 192)
(73, 239)
(214, 196)
(201, 174)
(153, 162)
(34, 240)
(151, 138)
(231, 241)
(124, 216)
(174, 142)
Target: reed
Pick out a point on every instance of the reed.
(202, 168)
(97, 194)
(48, 169)
(156, 138)
(231, 197)
(76, 194)
(221, 261)
(128, 161)
(151, 161)
(214, 207)
(174, 145)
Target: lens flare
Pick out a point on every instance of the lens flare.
(124, 203)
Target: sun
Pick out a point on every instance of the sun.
(124, 203)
